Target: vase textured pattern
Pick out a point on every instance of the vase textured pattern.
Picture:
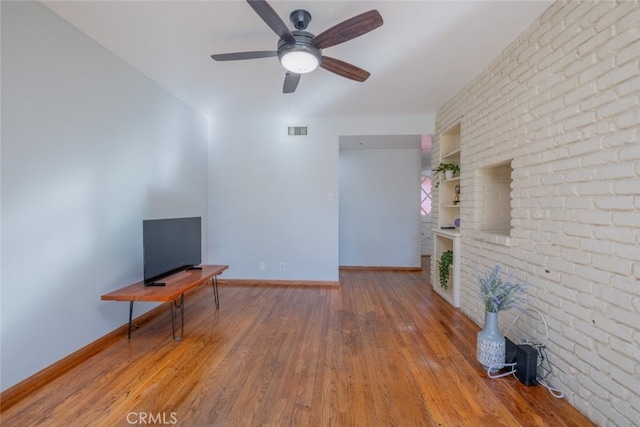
(491, 345)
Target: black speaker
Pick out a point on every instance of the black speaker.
(526, 367)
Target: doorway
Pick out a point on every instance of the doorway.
(426, 237)
(379, 218)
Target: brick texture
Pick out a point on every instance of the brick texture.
(561, 105)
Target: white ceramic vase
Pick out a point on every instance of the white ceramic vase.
(490, 344)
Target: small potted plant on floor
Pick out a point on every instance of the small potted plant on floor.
(449, 169)
(497, 295)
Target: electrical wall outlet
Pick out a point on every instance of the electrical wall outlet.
(282, 266)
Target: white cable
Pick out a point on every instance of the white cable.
(546, 327)
(500, 366)
(553, 391)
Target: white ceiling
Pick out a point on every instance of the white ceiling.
(425, 52)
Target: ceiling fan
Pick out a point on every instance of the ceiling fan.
(300, 52)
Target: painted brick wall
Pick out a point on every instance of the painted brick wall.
(562, 104)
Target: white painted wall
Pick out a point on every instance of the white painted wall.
(268, 193)
(90, 148)
(379, 213)
(562, 102)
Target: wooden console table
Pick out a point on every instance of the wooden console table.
(175, 287)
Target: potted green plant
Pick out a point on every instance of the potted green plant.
(446, 259)
(496, 295)
(449, 169)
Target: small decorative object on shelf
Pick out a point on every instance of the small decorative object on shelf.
(497, 295)
(446, 259)
(456, 222)
(443, 168)
(456, 198)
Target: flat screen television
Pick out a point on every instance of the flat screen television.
(170, 245)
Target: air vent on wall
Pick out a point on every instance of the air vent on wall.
(297, 131)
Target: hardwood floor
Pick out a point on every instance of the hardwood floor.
(381, 350)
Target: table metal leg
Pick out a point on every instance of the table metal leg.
(179, 306)
(130, 315)
(216, 298)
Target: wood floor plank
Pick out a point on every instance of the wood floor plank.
(382, 349)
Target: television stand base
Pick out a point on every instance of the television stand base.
(155, 284)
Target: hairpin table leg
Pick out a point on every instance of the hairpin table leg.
(130, 315)
(179, 306)
(214, 283)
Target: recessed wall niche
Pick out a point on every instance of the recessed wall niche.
(493, 186)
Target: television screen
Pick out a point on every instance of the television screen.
(170, 245)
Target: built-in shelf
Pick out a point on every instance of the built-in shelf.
(448, 238)
(445, 240)
(455, 154)
(447, 233)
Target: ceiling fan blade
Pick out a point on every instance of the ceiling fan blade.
(349, 29)
(244, 55)
(344, 69)
(271, 18)
(291, 81)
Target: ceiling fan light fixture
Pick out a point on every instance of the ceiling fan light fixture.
(299, 61)
(301, 56)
